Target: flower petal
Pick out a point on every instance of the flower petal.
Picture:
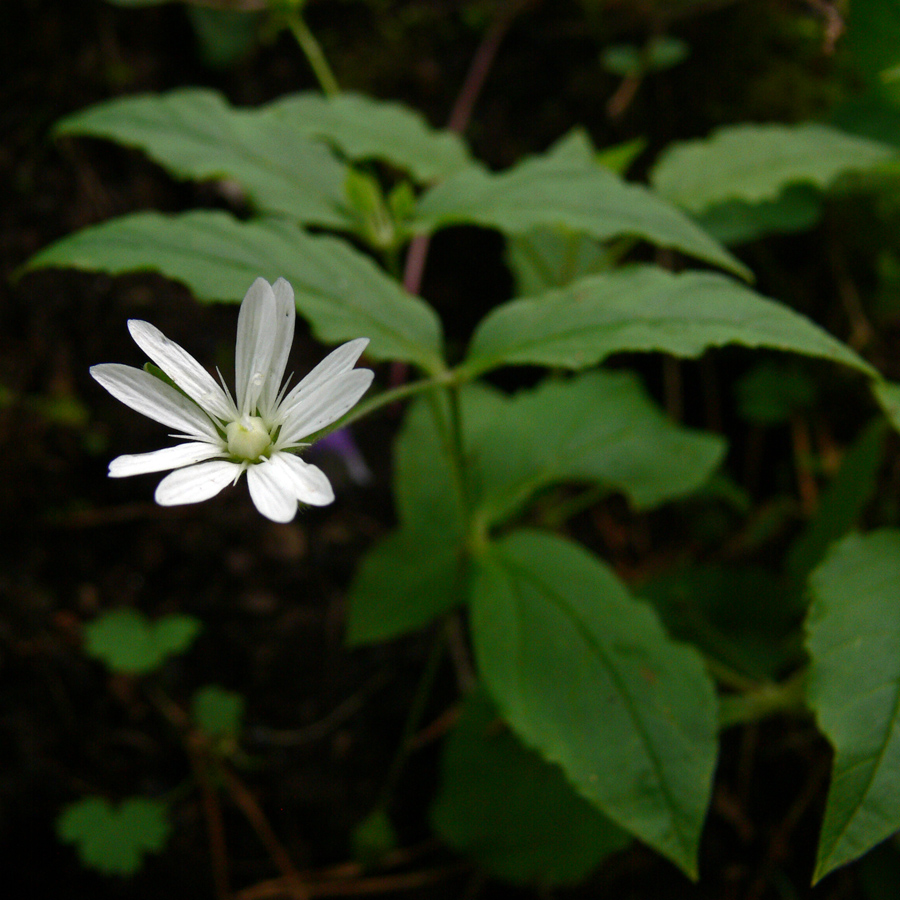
(183, 369)
(162, 460)
(323, 406)
(272, 491)
(196, 483)
(255, 342)
(310, 483)
(338, 361)
(155, 399)
(285, 317)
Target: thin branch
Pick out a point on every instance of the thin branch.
(460, 117)
(246, 802)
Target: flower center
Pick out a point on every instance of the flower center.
(248, 438)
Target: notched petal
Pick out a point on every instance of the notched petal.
(151, 397)
(272, 491)
(182, 368)
(196, 483)
(309, 483)
(324, 406)
(162, 460)
(255, 344)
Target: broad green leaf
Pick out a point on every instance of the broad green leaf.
(558, 190)
(114, 839)
(623, 60)
(598, 427)
(873, 36)
(842, 501)
(552, 258)
(224, 36)
(342, 293)
(364, 128)
(374, 838)
(644, 308)
(195, 134)
(619, 157)
(797, 208)
(511, 810)
(217, 712)
(127, 641)
(586, 676)
(773, 390)
(658, 54)
(426, 497)
(743, 616)
(853, 638)
(874, 114)
(402, 584)
(887, 394)
(415, 574)
(755, 163)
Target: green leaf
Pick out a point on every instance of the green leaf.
(842, 501)
(874, 114)
(511, 810)
(217, 712)
(363, 128)
(599, 427)
(644, 308)
(552, 257)
(127, 641)
(755, 163)
(874, 37)
(773, 390)
(743, 616)
(622, 59)
(854, 688)
(585, 675)
(424, 492)
(888, 396)
(342, 293)
(664, 52)
(114, 840)
(659, 53)
(224, 36)
(619, 157)
(194, 134)
(797, 208)
(562, 190)
(373, 839)
(403, 583)
(415, 574)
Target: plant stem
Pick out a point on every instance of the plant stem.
(254, 815)
(414, 716)
(763, 701)
(385, 398)
(449, 429)
(459, 121)
(313, 52)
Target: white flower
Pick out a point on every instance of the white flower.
(258, 430)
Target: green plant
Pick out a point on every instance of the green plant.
(586, 703)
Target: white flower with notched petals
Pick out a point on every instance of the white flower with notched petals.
(258, 429)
